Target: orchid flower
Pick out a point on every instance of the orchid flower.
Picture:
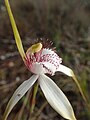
(40, 61)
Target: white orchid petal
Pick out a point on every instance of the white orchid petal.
(70, 73)
(37, 68)
(19, 93)
(56, 98)
(65, 70)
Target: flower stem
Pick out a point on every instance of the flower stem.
(33, 98)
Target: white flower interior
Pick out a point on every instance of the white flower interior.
(44, 61)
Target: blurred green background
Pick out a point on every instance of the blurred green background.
(67, 24)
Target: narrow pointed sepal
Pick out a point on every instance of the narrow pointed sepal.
(18, 94)
(70, 73)
(56, 97)
(15, 31)
(65, 70)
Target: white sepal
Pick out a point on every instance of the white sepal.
(70, 73)
(19, 93)
(56, 97)
(65, 70)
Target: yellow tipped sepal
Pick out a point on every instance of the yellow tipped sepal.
(15, 31)
(80, 89)
(70, 73)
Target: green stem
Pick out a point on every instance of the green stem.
(33, 97)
